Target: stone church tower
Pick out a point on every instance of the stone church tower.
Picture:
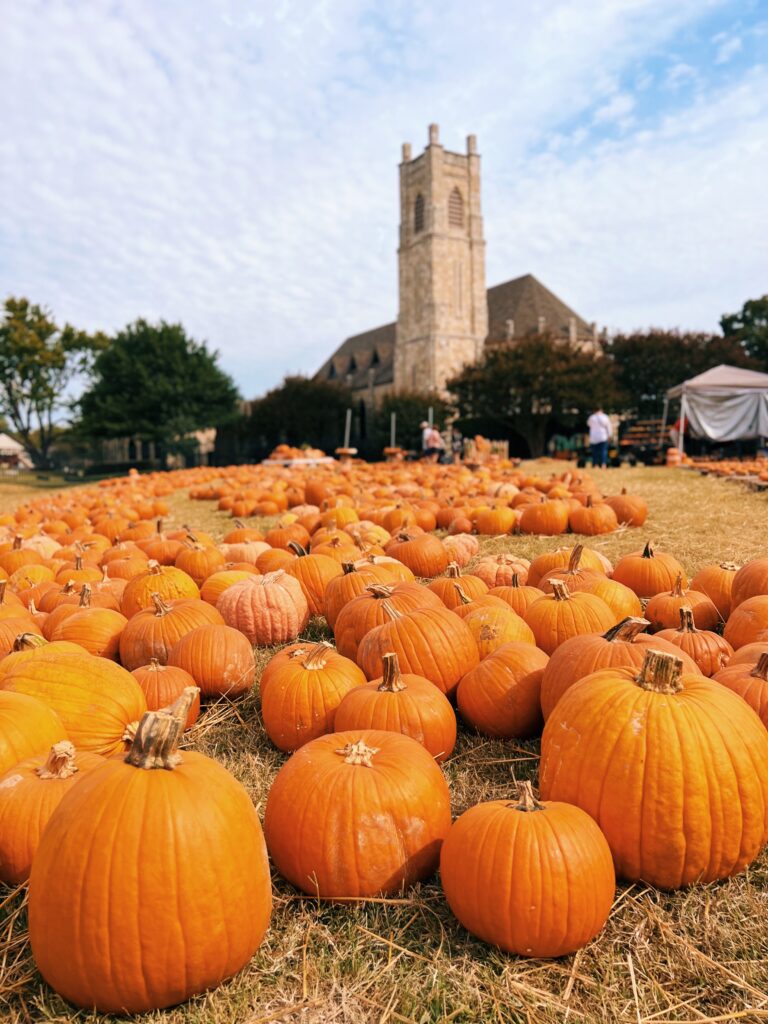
(442, 322)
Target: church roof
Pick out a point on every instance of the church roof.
(523, 300)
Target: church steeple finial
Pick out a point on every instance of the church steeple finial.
(434, 135)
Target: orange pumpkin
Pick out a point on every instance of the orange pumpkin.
(170, 583)
(27, 726)
(355, 814)
(649, 572)
(314, 572)
(163, 685)
(663, 610)
(748, 622)
(424, 555)
(709, 650)
(716, 581)
(492, 627)
(367, 611)
(219, 659)
(152, 632)
(269, 609)
(518, 597)
(561, 615)
(500, 697)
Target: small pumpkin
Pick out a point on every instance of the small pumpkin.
(494, 627)
(424, 554)
(168, 581)
(630, 509)
(219, 659)
(152, 632)
(748, 622)
(163, 685)
(709, 650)
(518, 597)
(356, 814)
(314, 572)
(444, 587)
(593, 518)
(649, 572)
(557, 885)
(716, 581)
(556, 617)
(499, 570)
(500, 697)
(365, 612)
(663, 610)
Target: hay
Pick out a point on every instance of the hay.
(699, 955)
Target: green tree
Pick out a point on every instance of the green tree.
(529, 387)
(749, 328)
(648, 363)
(39, 362)
(300, 411)
(410, 408)
(155, 383)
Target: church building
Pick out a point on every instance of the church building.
(446, 317)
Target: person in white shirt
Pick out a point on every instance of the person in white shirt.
(599, 435)
(425, 432)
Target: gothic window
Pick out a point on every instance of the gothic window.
(418, 213)
(352, 365)
(375, 361)
(332, 371)
(455, 209)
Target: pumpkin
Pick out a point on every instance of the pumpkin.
(269, 609)
(518, 597)
(424, 555)
(444, 587)
(493, 627)
(152, 632)
(576, 576)
(663, 610)
(495, 521)
(749, 654)
(499, 570)
(404, 703)
(365, 612)
(750, 681)
(622, 646)
(352, 582)
(751, 580)
(95, 699)
(168, 581)
(709, 650)
(217, 583)
(500, 696)
(27, 726)
(29, 794)
(649, 572)
(304, 694)
(672, 767)
(96, 630)
(314, 572)
(356, 814)
(548, 518)
(164, 684)
(630, 509)
(429, 642)
(532, 877)
(748, 622)
(716, 581)
(219, 659)
(592, 519)
(622, 601)
(461, 547)
(118, 918)
(556, 617)
(391, 570)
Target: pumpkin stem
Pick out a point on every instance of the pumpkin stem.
(16, 542)
(687, 624)
(526, 800)
(760, 671)
(158, 733)
(154, 664)
(60, 763)
(78, 562)
(318, 655)
(560, 590)
(161, 608)
(380, 590)
(463, 596)
(730, 566)
(348, 567)
(3, 585)
(358, 753)
(661, 672)
(453, 571)
(85, 596)
(573, 561)
(677, 589)
(297, 549)
(648, 550)
(154, 567)
(623, 490)
(28, 642)
(392, 679)
(626, 630)
(159, 527)
(588, 502)
(239, 524)
(390, 611)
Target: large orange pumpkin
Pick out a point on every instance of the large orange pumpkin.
(28, 726)
(269, 609)
(649, 572)
(166, 580)
(558, 616)
(750, 681)
(152, 632)
(219, 659)
(404, 703)
(748, 622)
(365, 612)
(355, 814)
(672, 767)
(663, 610)
(314, 572)
(716, 581)
(751, 580)
(119, 919)
(532, 877)
(424, 555)
(29, 794)
(500, 697)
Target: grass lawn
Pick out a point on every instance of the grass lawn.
(696, 955)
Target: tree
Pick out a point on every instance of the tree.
(749, 328)
(300, 411)
(532, 385)
(39, 361)
(410, 408)
(648, 363)
(154, 383)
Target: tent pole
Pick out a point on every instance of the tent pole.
(682, 425)
(663, 422)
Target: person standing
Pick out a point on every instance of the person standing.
(425, 429)
(599, 435)
(457, 445)
(435, 445)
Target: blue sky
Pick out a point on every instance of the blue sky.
(232, 164)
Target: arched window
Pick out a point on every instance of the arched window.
(332, 371)
(455, 209)
(418, 213)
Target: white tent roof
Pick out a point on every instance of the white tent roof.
(722, 378)
(8, 446)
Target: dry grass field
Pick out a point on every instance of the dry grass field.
(697, 955)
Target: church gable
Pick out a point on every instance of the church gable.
(524, 306)
(363, 360)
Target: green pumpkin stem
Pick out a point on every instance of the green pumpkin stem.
(392, 680)
(661, 672)
(158, 734)
(627, 629)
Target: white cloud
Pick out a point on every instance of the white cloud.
(233, 165)
(728, 47)
(616, 109)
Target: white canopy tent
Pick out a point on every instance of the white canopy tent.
(10, 449)
(726, 403)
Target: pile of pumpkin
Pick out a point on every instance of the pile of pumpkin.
(654, 750)
(757, 467)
